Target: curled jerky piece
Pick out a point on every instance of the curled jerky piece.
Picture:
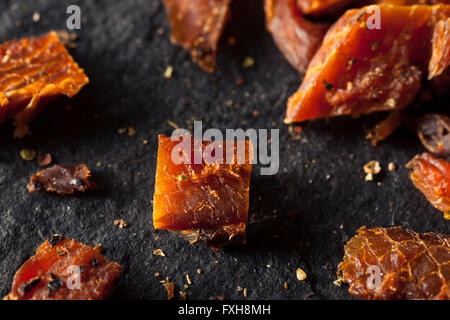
(62, 179)
(64, 269)
(394, 263)
(296, 37)
(440, 58)
(431, 176)
(34, 71)
(203, 201)
(434, 133)
(361, 70)
(197, 26)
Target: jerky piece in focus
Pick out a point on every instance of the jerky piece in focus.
(34, 71)
(434, 133)
(360, 70)
(62, 179)
(440, 58)
(394, 263)
(431, 176)
(64, 269)
(197, 25)
(296, 37)
(204, 202)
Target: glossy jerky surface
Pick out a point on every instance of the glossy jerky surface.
(359, 70)
(296, 37)
(411, 265)
(61, 179)
(203, 196)
(440, 58)
(197, 26)
(64, 269)
(34, 71)
(431, 175)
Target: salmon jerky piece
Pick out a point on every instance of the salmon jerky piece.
(64, 269)
(205, 202)
(434, 133)
(323, 7)
(360, 70)
(431, 176)
(197, 25)
(34, 71)
(62, 179)
(296, 37)
(395, 263)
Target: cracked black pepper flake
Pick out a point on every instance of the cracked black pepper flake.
(26, 287)
(55, 284)
(328, 86)
(94, 262)
(55, 239)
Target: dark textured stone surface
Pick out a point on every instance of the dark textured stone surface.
(299, 218)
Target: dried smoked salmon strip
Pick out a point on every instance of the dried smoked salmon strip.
(64, 269)
(296, 37)
(205, 202)
(197, 25)
(431, 175)
(395, 263)
(360, 70)
(34, 71)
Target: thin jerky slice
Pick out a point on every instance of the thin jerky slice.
(296, 37)
(34, 71)
(205, 202)
(395, 263)
(197, 25)
(64, 269)
(62, 179)
(360, 70)
(434, 133)
(386, 127)
(431, 176)
(440, 58)
(323, 7)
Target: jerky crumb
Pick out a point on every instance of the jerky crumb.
(169, 289)
(301, 275)
(25, 287)
(372, 167)
(122, 130)
(157, 274)
(188, 279)
(369, 177)
(447, 215)
(28, 154)
(36, 16)
(183, 295)
(245, 292)
(338, 282)
(248, 62)
(199, 271)
(159, 252)
(121, 223)
(168, 72)
(392, 167)
(44, 159)
(285, 285)
(131, 131)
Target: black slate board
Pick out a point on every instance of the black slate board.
(299, 218)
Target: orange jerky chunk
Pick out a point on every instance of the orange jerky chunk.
(64, 269)
(206, 202)
(431, 175)
(197, 25)
(361, 70)
(296, 37)
(394, 263)
(33, 71)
